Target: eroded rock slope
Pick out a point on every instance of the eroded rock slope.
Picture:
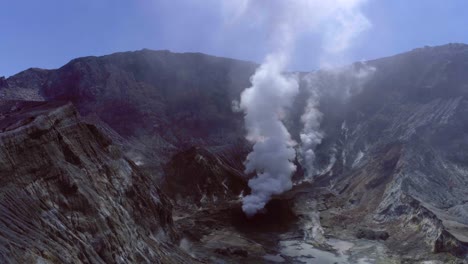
(68, 195)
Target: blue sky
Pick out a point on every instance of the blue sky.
(49, 33)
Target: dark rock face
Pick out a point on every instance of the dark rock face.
(69, 196)
(199, 177)
(277, 216)
(372, 234)
(230, 252)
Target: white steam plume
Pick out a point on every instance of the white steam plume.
(273, 152)
(264, 103)
(311, 134)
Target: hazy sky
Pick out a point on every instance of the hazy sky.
(49, 33)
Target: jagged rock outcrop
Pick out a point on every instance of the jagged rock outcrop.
(68, 195)
(198, 178)
(26, 85)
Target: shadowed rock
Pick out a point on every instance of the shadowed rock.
(372, 234)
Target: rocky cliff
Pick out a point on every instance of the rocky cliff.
(68, 195)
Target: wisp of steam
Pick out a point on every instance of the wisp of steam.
(271, 91)
(339, 82)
